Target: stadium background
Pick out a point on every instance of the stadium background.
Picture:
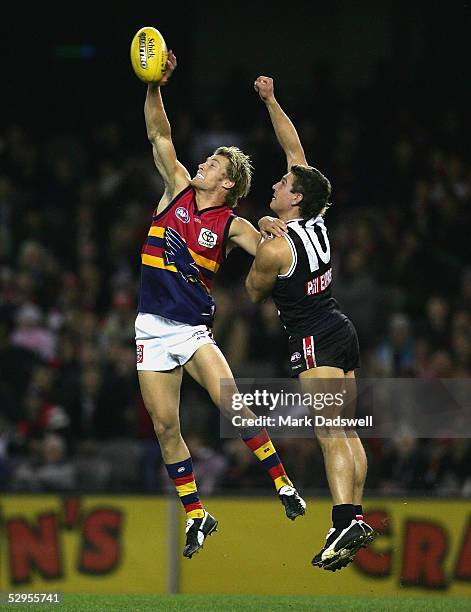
(380, 96)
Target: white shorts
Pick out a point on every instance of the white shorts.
(163, 344)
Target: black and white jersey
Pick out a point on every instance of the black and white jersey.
(303, 295)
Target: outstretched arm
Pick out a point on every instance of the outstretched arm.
(173, 173)
(284, 129)
(243, 234)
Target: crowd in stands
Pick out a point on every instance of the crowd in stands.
(74, 212)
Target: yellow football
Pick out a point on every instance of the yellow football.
(149, 55)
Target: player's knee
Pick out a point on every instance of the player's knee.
(328, 438)
(166, 430)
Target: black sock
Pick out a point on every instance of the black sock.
(359, 510)
(342, 515)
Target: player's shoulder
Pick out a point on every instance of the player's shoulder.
(274, 248)
(239, 225)
(319, 220)
(184, 197)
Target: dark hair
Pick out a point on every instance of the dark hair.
(315, 189)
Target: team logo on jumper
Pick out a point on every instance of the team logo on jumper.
(207, 238)
(295, 357)
(181, 469)
(182, 214)
(140, 353)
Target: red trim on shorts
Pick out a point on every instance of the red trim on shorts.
(309, 354)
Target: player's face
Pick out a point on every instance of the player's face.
(211, 173)
(283, 198)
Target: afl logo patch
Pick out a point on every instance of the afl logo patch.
(207, 238)
(295, 357)
(182, 214)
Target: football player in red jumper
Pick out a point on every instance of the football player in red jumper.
(193, 227)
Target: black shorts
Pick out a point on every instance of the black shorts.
(337, 348)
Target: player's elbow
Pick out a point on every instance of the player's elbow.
(155, 136)
(296, 156)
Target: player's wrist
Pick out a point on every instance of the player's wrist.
(271, 101)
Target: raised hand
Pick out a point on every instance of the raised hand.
(272, 226)
(171, 65)
(264, 87)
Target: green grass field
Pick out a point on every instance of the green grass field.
(262, 603)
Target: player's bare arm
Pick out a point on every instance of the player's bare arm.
(173, 173)
(243, 234)
(285, 131)
(273, 257)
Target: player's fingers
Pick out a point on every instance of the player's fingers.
(281, 224)
(171, 62)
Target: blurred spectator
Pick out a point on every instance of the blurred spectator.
(29, 332)
(395, 355)
(47, 467)
(436, 326)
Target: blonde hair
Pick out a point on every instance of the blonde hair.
(239, 170)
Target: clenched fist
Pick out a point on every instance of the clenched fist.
(264, 87)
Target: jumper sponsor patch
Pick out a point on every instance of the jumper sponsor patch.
(295, 357)
(319, 284)
(207, 238)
